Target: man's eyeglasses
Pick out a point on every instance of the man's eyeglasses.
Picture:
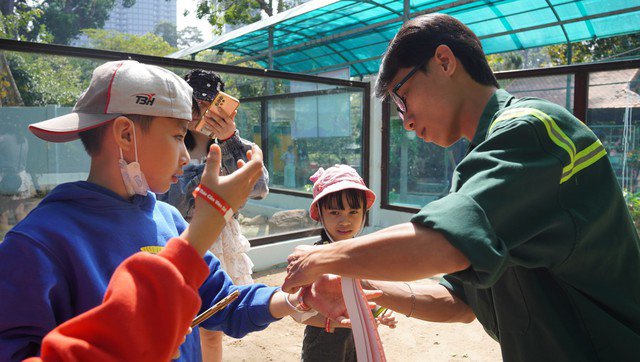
(401, 103)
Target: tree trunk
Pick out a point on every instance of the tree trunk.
(6, 7)
(13, 97)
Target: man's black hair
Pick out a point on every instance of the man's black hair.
(417, 41)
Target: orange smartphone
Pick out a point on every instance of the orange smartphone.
(216, 307)
(222, 105)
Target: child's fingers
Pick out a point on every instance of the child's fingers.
(256, 153)
(214, 158)
(345, 322)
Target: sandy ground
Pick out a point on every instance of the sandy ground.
(411, 340)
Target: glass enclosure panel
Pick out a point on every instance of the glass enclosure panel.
(309, 125)
(614, 115)
(418, 172)
(557, 88)
(311, 131)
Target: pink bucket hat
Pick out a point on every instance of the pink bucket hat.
(336, 178)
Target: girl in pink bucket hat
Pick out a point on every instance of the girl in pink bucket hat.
(340, 202)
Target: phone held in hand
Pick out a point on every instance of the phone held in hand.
(223, 105)
(216, 307)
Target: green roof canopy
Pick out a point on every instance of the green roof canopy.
(324, 35)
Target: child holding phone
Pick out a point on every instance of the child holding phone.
(340, 202)
(213, 113)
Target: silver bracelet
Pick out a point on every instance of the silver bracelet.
(413, 300)
(286, 299)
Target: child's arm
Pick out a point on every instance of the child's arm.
(147, 309)
(323, 296)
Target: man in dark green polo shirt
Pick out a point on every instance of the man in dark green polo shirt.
(535, 236)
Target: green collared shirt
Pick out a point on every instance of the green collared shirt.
(555, 258)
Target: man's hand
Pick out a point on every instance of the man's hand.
(325, 296)
(300, 269)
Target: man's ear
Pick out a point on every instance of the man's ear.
(445, 60)
(122, 131)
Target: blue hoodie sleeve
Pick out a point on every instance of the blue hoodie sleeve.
(248, 313)
(35, 296)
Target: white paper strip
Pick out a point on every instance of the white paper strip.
(365, 332)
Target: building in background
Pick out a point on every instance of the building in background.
(142, 17)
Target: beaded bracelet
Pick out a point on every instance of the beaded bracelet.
(214, 200)
(327, 326)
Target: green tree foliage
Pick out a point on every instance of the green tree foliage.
(189, 36)
(17, 22)
(239, 12)
(167, 30)
(505, 61)
(242, 86)
(66, 18)
(149, 44)
(581, 52)
(63, 19)
(21, 22)
(596, 50)
(45, 80)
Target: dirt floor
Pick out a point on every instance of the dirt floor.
(411, 340)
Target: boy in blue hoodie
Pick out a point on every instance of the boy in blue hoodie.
(57, 262)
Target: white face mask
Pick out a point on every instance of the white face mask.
(134, 180)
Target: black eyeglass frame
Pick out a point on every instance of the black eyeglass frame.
(397, 99)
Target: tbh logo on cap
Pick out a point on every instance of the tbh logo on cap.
(145, 99)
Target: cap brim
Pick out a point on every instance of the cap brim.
(66, 128)
(370, 196)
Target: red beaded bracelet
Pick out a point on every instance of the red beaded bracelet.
(327, 326)
(214, 200)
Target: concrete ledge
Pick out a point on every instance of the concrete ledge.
(266, 257)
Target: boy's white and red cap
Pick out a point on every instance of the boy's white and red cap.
(117, 88)
(336, 178)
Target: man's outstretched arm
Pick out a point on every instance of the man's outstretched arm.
(403, 252)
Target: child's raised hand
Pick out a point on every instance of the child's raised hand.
(207, 222)
(236, 187)
(388, 319)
